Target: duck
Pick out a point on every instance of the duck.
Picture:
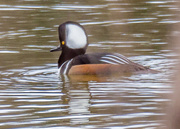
(74, 60)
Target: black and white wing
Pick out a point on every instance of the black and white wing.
(115, 58)
(100, 58)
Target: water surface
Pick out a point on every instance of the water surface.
(32, 95)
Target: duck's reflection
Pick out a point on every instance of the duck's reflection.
(77, 96)
(94, 78)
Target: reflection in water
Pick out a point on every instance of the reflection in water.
(77, 97)
(31, 95)
(114, 101)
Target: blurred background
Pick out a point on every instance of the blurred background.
(32, 95)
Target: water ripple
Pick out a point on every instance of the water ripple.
(32, 95)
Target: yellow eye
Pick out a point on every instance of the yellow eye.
(63, 42)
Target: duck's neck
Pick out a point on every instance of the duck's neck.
(69, 55)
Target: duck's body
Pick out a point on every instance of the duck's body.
(73, 60)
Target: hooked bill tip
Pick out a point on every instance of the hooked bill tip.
(56, 49)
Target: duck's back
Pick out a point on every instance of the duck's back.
(100, 63)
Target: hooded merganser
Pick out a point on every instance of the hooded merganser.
(73, 60)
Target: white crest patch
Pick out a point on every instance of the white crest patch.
(75, 36)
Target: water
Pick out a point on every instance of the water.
(32, 95)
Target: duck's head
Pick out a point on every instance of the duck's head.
(72, 37)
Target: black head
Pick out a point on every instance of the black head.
(71, 36)
(73, 40)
